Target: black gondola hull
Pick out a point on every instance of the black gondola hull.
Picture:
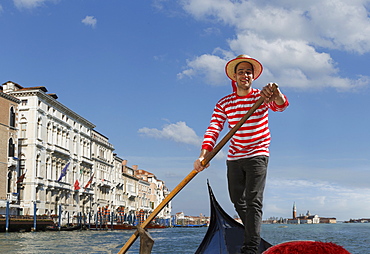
(224, 235)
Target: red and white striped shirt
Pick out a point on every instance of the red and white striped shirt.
(253, 138)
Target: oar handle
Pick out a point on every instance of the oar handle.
(209, 156)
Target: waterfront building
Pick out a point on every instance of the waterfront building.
(66, 167)
(362, 220)
(9, 171)
(119, 197)
(308, 218)
(156, 193)
(54, 148)
(328, 220)
(103, 166)
(131, 189)
(185, 220)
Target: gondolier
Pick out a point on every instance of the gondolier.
(249, 147)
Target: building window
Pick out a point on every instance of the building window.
(9, 189)
(49, 133)
(47, 171)
(75, 145)
(59, 139)
(11, 148)
(24, 102)
(12, 117)
(22, 165)
(38, 163)
(23, 133)
(39, 128)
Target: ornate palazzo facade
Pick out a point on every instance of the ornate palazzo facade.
(67, 165)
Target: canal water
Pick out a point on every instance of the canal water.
(353, 237)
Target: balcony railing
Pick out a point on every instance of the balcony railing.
(12, 197)
(12, 161)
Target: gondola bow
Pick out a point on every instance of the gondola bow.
(224, 235)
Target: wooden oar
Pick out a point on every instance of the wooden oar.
(209, 156)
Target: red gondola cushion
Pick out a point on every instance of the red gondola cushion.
(306, 247)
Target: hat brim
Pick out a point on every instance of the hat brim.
(230, 67)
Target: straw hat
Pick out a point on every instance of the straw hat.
(230, 66)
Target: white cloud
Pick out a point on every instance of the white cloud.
(29, 4)
(178, 132)
(208, 66)
(287, 33)
(90, 21)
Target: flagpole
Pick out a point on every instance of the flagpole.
(60, 216)
(7, 216)
(34, 215)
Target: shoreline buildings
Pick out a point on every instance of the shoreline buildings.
(301, 219)
(54, 159)
(308, 218)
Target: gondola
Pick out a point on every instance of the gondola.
(224, 235)
(64, 228)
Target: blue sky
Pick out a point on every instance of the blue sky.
(148, 74)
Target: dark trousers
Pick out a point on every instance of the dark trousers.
(246, 181)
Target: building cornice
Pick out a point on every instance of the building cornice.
(48, 99)
(9, 97)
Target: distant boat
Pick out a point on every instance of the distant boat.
(114, 226)
(224, 235)
(64, 228)
(25, 223)
(155, 225)
(190, 225)
(123, 226)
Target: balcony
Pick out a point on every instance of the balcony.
(12, 197)
(40, 181)
(104, 182)
(131, 195)
(86, 160)
(12, 161)
(53, 185)
(60, 150)
(120, 203)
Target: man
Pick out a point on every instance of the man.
(248, 151)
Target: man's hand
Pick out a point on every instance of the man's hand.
(198, 163)
(269, 94)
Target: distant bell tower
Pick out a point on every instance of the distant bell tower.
(294, 211)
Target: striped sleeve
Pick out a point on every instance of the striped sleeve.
(216, 125)
(278, 108)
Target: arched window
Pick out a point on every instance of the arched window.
(12, 117)
(49, 133)
(47, 171)
(22, 165)
(23, 133)
(39, 128)
(38, 163)
(11, 148)
(67, 141)
(9, 189)
(59, 137)
(75, 145)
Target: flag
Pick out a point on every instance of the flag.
(21, 178)
(64, 172)
(77, 185)
(89, 182)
